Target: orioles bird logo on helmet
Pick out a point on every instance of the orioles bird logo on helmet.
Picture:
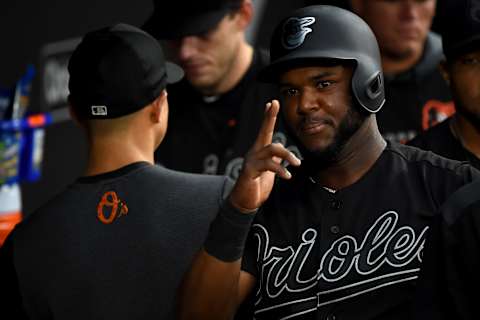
(295, 30)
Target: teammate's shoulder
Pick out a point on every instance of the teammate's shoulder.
(432, 55)
(462, 204)
(193, 180)
(431, 137)
(413, 156)
(48, 215)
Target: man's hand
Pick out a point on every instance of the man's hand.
(261, 164)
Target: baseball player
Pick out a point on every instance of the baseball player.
(215, 107)
(417, 96)
(458, 137)
(116, 242)
(341, 236)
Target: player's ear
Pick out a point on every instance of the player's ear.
(73, 113)
(158, 106)
(443, 67)
(245, 14)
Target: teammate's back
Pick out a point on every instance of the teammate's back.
(115, 243)
(80, 257)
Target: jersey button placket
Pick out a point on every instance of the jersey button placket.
(335, 204)
(335, 229)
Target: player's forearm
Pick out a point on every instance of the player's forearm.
(210, 289)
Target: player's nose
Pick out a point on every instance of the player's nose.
(308, 101)
(187, 48)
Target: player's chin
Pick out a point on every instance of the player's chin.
(316, 145)
(202, 79)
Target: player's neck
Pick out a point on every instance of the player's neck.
(355, 160)
(466, 133)
(107, 154)
(393, 65)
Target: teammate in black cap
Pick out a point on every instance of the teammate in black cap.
(342, 236)
(116, 242)
(214, 110)
(458, 137)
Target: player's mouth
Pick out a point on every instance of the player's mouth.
(311, 126)
(193, 69)
(409, 33)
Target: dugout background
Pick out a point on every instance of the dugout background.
(27, 25)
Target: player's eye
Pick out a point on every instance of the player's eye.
(470, 61)
(289, 92)
(323, 84)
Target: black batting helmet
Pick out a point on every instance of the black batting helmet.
(324, 32)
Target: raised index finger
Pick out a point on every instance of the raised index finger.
(265, 134)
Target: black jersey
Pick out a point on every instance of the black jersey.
(416, 99)
(354, 253)
(440, 140)
(449, 280)
(211, 135)
(112, 246)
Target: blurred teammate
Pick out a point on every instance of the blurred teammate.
(458, 137)
(417, 97)
(215, 112)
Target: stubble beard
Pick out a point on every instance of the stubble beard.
(324, 158)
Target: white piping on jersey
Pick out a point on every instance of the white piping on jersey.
(331, 301)
(298, 314)
(368, 290)
(286, 304)
(389, 275)
(326, 188)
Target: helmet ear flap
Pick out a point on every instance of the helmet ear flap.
(374, 86)
(368, 90)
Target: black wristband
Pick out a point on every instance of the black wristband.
(228, 233)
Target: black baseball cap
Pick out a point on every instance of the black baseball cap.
(176, 19)
(118, 70)
(460, 26)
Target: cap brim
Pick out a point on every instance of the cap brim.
(162, 27)
(174, 72)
